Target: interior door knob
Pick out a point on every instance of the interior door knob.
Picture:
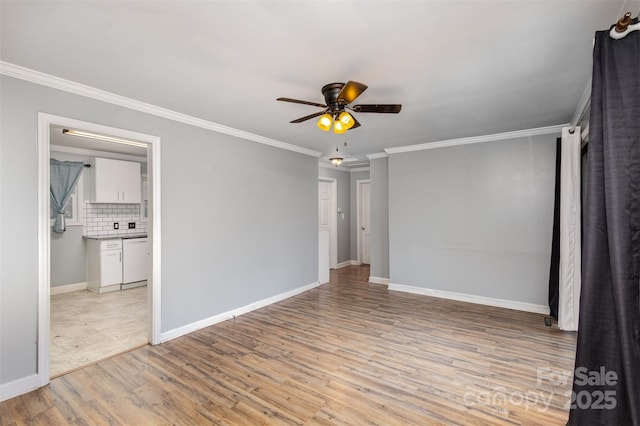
(363, 228)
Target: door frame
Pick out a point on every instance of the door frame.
(333, 220)
(44, 228)
(359, 183)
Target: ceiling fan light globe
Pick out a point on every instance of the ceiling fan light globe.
(324, 122)
(338, 127)
(336, 161)
(346, 119)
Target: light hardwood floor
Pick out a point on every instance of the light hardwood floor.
(347, 352)
(86, 327)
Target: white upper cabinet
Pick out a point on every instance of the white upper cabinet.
(116, 181)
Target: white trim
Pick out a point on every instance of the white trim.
(470, 298)
(478, 139)
(43, 79)
(19, 387)
(344, 264)
(360, 169)
(44, 258)
(355, 262)
(67, 288)
(194, 326)
(92, 152)
(377, 155)
(378, 280)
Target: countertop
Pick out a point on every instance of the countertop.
(114, 237)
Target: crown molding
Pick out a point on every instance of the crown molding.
(360, 169)
(478, 139)
(377, 155)
(26, 74)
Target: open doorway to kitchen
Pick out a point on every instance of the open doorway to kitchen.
(93, 302)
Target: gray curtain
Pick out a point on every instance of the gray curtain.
(64, 176)
(606, 388)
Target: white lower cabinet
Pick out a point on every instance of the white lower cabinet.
(104, 265)
(135, 257)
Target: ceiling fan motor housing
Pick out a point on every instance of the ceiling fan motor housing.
(330, 92)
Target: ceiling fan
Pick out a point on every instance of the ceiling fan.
(337, 98)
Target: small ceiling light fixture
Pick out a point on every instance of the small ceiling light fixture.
(336, 159)
(102, 137)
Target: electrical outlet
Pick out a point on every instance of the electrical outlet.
(132, 225)
(116, 225)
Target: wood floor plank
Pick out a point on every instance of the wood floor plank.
(348, 352)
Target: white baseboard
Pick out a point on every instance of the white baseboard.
(480, 300)
(19, 387)
(347, 263)
(194, 326)
(68, 288)
(378, 280)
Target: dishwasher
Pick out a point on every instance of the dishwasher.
(135, 260)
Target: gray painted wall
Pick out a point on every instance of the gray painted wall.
(239, 219)
(355, 177)
(379, 218)
(343, 198)
(68, 248)
(474, 219)
(68, 251)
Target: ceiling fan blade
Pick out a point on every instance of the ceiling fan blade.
(356, 124)
(308, 117)
(351, 91)
(297, 101)
(383, 108)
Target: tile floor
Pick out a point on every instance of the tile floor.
(87, 327)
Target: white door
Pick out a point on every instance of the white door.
(324, 231)
(365, 222)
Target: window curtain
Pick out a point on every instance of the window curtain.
(564, 272)
(554, 269)
(608, 348)
(570, 236)
(63, 178)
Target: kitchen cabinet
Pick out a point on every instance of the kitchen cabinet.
(104, 265)
(116, 181)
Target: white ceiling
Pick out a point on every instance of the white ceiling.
(459, 69)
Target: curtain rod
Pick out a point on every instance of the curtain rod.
(623, 27)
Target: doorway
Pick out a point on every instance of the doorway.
(152, 146)
(363, 197)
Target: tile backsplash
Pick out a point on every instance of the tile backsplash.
(101, 217)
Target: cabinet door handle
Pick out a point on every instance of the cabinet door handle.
(120, 256)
